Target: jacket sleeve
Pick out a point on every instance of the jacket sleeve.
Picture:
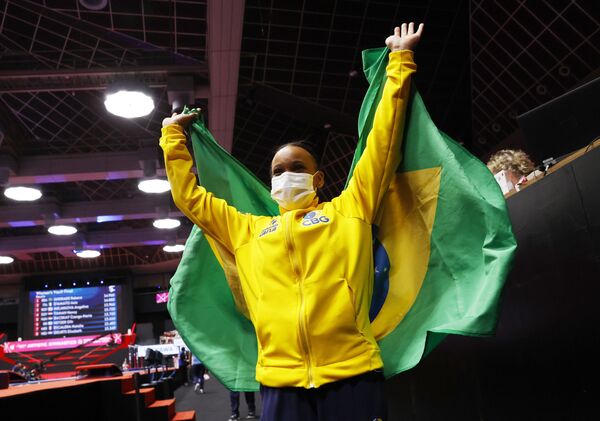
(214, 216)
(374, 171)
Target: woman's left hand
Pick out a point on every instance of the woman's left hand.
(405, 37)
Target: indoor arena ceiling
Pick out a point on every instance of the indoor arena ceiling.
(297, 75)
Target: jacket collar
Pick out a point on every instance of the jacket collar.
(314, 204)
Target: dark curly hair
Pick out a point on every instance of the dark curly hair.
(304, 145)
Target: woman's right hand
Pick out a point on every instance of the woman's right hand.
(183, 120)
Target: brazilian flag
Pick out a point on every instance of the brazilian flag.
(442, 244)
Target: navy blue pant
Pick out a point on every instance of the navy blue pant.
(198, 371)
(234, 398)
(359, 398)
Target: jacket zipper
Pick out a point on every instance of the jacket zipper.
(300, 282)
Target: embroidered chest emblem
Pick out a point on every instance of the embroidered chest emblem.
(273, 225)
(314, 218)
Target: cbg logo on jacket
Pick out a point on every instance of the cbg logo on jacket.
(313, 218)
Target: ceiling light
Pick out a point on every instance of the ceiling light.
(541, 89)
(62, 229)
(94, 4)
(154, 185)
(166, 223)
(87, 253)
(5, 260)
(174, 248)
(564, 71)
(23, 194)
(128, 100)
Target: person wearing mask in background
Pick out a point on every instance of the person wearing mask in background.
(511, 168)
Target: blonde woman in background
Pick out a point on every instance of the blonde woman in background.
(515, 163)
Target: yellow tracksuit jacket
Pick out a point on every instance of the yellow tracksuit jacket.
(307, 275)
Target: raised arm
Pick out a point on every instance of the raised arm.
(381, 157)
(214, 216)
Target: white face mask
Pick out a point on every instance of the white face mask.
(293, 190)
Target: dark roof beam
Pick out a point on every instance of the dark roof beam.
(33, 214)
(20, 246)
(45, 169)
(99, 79)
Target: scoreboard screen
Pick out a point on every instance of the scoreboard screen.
(73, 311)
